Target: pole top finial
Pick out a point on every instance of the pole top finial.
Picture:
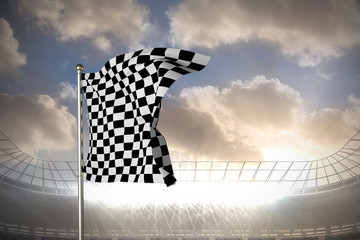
(79, 67)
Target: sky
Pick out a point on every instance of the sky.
(283, 82)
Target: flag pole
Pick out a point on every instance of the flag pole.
(79, 69)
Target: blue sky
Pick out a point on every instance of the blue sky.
(283, 82)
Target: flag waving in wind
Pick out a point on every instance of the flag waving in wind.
(124, 101)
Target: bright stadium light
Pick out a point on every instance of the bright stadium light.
(228, 194)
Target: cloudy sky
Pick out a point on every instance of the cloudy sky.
(283, 82)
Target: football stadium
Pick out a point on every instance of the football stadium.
(216, 200)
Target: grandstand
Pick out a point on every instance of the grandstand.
(319, 200)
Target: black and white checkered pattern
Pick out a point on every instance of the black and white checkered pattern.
(124, 101)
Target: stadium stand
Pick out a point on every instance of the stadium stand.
(58, 238)
(261, 238)
(41, 202)
(303, 238)
(349, 236)
(14, 236)
(228, 239)
(91, 238)
(202, 238)
(165, 238)
(130, 238)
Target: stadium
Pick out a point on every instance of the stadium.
(281, 200)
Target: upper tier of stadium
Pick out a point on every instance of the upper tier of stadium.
(339, 170)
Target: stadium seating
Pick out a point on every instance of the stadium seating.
(301, 238)
(57, 238)
(261, 238)
(227, 239)
(349, 236)
(14, 236)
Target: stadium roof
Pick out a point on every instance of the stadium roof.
(336, 171)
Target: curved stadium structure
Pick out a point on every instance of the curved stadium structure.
(320, 200)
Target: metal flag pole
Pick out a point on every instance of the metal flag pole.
(79, 69)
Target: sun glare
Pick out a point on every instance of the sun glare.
(117, 194)
(275, 153)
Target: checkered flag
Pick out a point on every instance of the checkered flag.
(124, 101)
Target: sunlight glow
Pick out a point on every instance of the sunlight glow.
(117, 194)
(276, 153)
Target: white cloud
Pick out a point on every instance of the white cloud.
(102, 43)
(98, 21)
(254, 119)
(196, 135)
(64, 64)
(329, 126)
(67, 92)
(10, 58)
(37, 123)
(311, 31)
(354, 100)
